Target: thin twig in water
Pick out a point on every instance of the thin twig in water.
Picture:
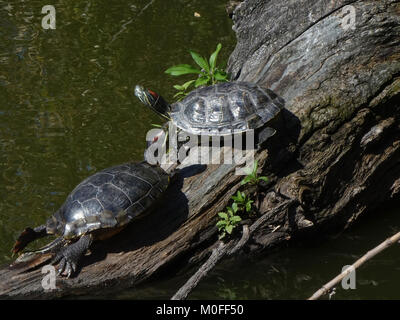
(370, 254)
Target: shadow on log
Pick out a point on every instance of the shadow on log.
(337, 155)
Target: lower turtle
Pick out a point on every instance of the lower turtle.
(99, 207)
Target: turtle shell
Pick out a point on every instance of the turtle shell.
(226, 108)
(110, 198)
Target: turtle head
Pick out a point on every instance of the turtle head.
(153, 100)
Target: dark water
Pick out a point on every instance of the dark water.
(67, 110)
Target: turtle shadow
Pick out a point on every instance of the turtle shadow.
(283, 146)
(166, 216)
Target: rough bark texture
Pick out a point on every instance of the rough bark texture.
(337, 150)
(343, 85)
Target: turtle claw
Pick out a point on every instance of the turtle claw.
(64, 268)
(61, 267)
(70, 255)
(71, 269)
(67, 266)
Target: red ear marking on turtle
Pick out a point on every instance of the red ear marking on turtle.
(155, 95)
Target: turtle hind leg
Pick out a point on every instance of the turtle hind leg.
(27, 236)
(263, 135)
(51, 248)
(70, 255)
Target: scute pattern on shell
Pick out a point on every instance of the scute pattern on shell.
(112, 198)
(226, 108)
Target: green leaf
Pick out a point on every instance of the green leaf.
(179, 94)
(213, 57)
(200, 61)
(235, 207)
(236, 219)
(220, 76)
(248, 206)
(255, 167)
(221, 236)
(202, 81)
(223, 215)
(182, 69)
(187, 84)
(230, 210)
(264, 179)
(179, 87)
(246, 180)
(229, 229)
(237, 197)
(221, 224)
(157, 125)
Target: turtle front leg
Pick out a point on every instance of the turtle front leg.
(70, 255)
(263, 136)
(27, 236)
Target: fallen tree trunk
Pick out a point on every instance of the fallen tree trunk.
(337, 151)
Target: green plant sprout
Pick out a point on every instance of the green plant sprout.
(228, 220)
(243, 202)
(252, 176)
(209, 73)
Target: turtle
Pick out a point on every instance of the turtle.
(222, 109)
(97, 208)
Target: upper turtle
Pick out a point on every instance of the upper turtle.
(221, 109)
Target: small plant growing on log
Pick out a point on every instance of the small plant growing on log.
(243, 202)
(228, 220)
(252, 176)
(209, 73)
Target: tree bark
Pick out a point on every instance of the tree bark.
(337, 150)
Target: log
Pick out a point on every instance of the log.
(336, 153)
